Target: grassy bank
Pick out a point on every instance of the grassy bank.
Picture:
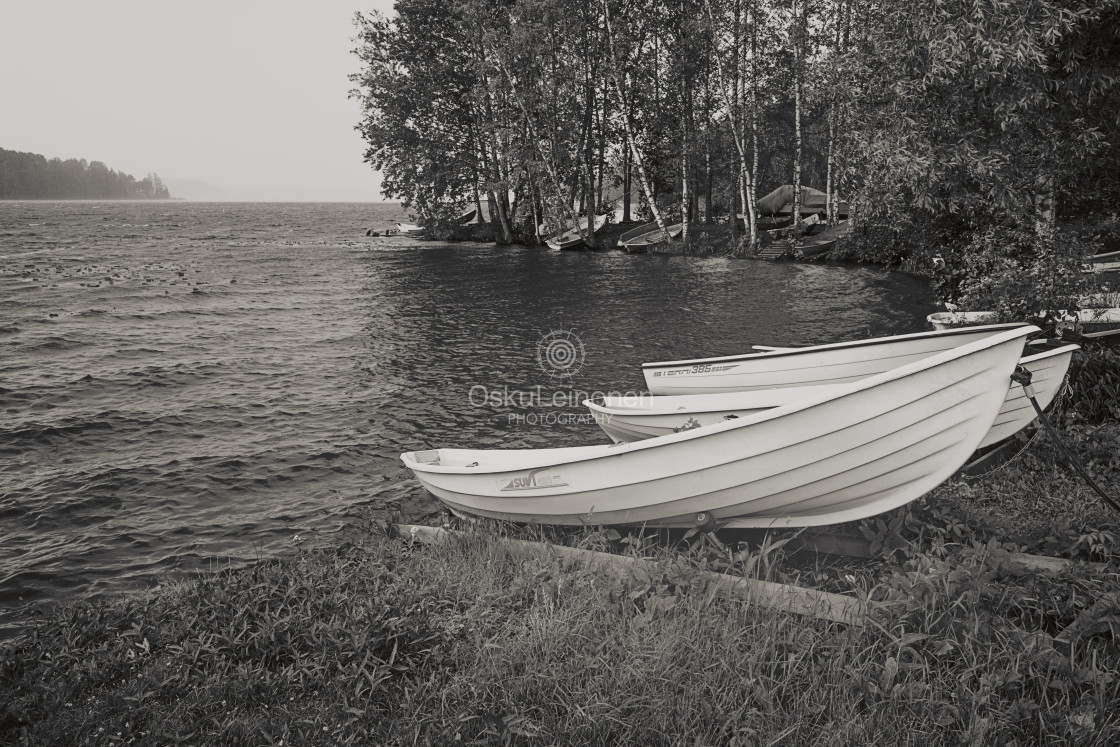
(478, 641)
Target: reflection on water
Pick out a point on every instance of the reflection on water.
(184, 381)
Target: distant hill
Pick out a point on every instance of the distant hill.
(192, 189)
(30, 176)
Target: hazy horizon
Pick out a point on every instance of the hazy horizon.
(244, 102)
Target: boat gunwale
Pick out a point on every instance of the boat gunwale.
(870, 342)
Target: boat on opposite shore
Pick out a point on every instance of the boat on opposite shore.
(410, 230)
(576, 238)
(640, 239)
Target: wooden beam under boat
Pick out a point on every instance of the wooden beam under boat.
(799, 600)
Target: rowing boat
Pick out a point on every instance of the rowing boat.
(630, 418)
(944, 320)
(836, 363)
(411, 230)
(640, 239)
(877, 445)
(576, 238)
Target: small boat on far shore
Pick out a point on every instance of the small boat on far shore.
(640, 239)
(822, 240)
(575, 238)
(411, 230)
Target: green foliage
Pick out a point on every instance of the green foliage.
(1007, 270)
(970, 109)
(416, 89)
(1094, 380)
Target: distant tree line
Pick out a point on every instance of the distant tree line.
(30, 176)
(955, 123)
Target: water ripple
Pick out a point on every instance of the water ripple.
(188, 383)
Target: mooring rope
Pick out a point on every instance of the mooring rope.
(1023, 377)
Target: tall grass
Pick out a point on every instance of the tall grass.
(477, 641)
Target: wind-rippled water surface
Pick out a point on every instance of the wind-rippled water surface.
(184, 382)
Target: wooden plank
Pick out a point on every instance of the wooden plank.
(775, 250)
(796, 599)
(999, 455)
(1047, 563)
(833, 543)
(852, 546)
(1097, 336)
(1086, 621)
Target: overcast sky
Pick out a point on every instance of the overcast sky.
(249, 96)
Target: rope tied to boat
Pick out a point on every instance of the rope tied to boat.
(1022, 376)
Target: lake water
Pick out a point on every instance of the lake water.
(187, 384)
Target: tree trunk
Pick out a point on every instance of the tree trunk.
(686, 203)
(477, 178)
(737, 204)
(1045, 216)
(753, 194)
(549, 164)
(589, 151)
(709, 179)
(499, 191)
(798, 34)
(601, 169)
(731, 98)
(630, 139)
(832, 207)
(495, 169)
(626, 184)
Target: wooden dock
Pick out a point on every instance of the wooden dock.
(776, 250)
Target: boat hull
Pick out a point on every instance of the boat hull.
(881, 444)
(823, 364)
(650, 417)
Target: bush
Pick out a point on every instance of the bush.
(1008, 271)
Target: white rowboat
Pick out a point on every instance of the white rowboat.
(411, 230)
(880, 444)
(810, 366)
(945, 320)
(635, 418)
(643, 237)
(576, 237)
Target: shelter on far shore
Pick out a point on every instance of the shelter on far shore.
(779, 203)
